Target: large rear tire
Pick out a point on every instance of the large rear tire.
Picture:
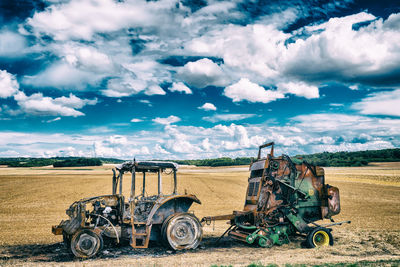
(182, 231)
(85, 243)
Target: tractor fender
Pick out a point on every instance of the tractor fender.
(168, 205)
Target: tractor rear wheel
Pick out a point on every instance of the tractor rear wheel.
(182, 231)
(85, 243)
(319, 237)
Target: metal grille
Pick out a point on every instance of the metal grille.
(251, 189)
(256, 188)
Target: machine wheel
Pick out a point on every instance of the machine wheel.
(265, 242)
(182, 231)
(319, 237)
(85, 243)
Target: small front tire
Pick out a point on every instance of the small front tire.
(85, 243)
(319, 237)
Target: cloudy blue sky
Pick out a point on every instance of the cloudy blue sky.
(197, 79)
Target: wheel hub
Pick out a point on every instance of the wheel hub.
(181, 231)
(321, 238)
(86, 244)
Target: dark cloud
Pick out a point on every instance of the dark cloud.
(19, 10)
(382, 8)
(28, 65)
(194, 5)
(307, 11)
(357, 26)
(137, 45)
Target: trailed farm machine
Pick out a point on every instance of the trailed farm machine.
(284, 199)
(162, 217)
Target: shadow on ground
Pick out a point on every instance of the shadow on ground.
(58, 252)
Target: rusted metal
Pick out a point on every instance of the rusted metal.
(283, 198)
(159, 182)
(175, 182)
(57, 230)
(144, 184)
(140, 219)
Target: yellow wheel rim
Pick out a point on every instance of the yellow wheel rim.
(321, 238)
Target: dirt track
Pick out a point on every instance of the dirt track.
(37, 198)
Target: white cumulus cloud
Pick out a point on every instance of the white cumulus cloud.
(86, 57)
(208, 106)
(299, 89)
(12, 44)
(81, 19)
(228, 117)
(137, 77)
(382, 103)
(117, 140)
(64, 75)
(337, 51)
(124, 86)
(252, 92)
(154, 90)
(8, 84)
(159, 150)
(252, 48)
(37, 104)
(180, 87)
(202, 73)
(168, 120)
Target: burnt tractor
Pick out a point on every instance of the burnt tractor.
(139, 219)
(283, 199)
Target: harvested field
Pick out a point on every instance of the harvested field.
(33, 199)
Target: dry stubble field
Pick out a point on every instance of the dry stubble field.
(33, 199)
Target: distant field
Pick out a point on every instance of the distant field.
(33, 199)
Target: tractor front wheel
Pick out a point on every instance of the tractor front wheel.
(182, 231)
(319, 237)
(85, 243)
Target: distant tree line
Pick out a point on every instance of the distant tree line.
(26, 162)
(215, 162)
(57, 161)
(327, 159)
(79, 162)
(344, 159)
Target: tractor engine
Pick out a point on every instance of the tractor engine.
(102, 215)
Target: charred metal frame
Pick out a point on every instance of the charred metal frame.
(283, 198)
(144, 167)
(141, 219)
